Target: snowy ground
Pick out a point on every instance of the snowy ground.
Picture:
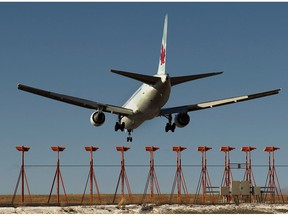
(151, 209)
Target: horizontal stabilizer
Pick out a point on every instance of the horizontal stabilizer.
(150, 80)
(182, 79)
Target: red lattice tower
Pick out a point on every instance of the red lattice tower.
(123, 176)
(58, 176)
(227, 175)
(152, 178)
(91, 176)
(179, 176)
(248, 175)
(22, 176)
(204, 180)
(272, 186)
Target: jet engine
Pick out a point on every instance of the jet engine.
(181, 120)
(97, 118)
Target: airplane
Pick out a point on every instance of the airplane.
(149, 100)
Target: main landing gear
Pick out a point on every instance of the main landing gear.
(169, 125)
(119, 125)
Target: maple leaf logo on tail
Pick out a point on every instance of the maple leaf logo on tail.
(163, 54)
(162, 59)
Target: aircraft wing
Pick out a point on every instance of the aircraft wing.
(77, 101)
(215, 103)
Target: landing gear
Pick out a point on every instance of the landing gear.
(169, 125)
(129, 138)
(119, 125)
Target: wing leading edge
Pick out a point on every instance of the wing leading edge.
(77, 101)
(215, 103)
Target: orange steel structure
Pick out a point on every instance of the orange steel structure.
(179, 176)
(91, 176)
(58, 175)
(248, 175)
(270, 184)
(152, 178)
(22, 176)
(227, 175)
(204, 180)
(123, 176)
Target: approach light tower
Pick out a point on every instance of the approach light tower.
(227, 175)
(204, 180)
(122, 177)
(152, 178)
(91, 175)
(179, 176)
(249, 176)
(272, 184)
(58, 175)
(22, 176)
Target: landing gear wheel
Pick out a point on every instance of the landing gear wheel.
(167, 127)
(119, 126)
(129, 138)
(122, 127)
(170, 127)
(173, 126)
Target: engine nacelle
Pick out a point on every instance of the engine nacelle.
(97, 118)
(181, 120)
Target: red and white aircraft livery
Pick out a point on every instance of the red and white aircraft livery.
(148, 101)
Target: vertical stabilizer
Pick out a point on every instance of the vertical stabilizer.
(162, 60)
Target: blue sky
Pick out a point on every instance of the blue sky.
(70, 48)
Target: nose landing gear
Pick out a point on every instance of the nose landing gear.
(129, 138)
(121, 126)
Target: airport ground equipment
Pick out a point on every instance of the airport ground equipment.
(227, 175)
(248, 175)
(152, 177)
(122, 177)
(91, 176)
(204, 180)
(58, 176)
(22, 176)
(179, 176)
(272, 184)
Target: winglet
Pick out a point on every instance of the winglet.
(162, 59)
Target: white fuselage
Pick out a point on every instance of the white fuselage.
(147, 102)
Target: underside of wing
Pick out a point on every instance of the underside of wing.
(77, 101)
(215, 103)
